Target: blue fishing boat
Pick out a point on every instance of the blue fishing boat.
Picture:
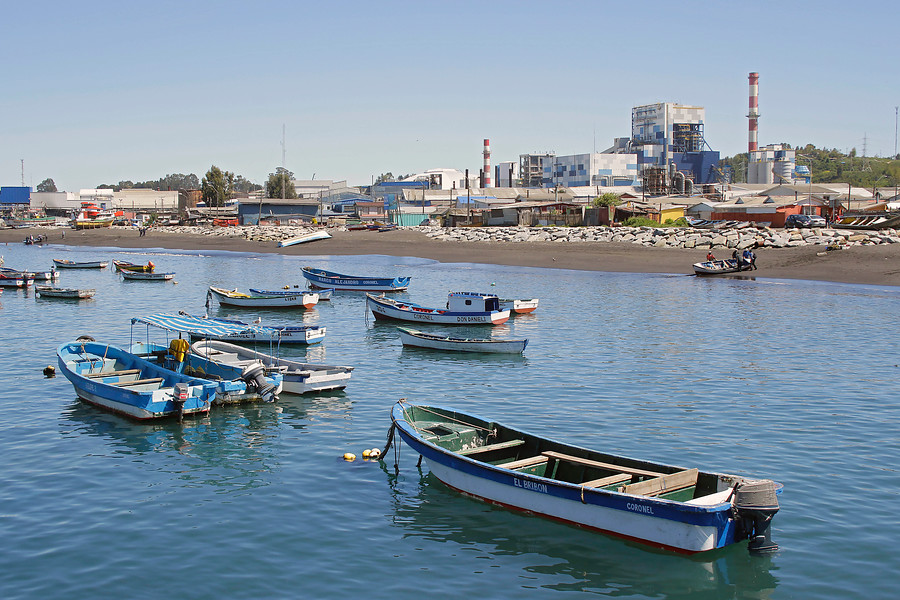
(319, 278)
(230, 330)
(127, 383)
(664, 506)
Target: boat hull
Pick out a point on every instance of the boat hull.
(69, 264)
(688, 527)
(719, 267)
(318, 278)
(141, 276)
(298, 377)
(519, 307)
(65, 293)
(390, 310)
(77, 360)
(265, 300)
(310, 237)
(419, 339)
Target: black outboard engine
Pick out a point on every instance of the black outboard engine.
(255, 375)
(755, 504)
(180, 397)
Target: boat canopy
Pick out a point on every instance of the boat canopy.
(199, 326)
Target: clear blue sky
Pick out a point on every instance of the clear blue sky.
(98, 92)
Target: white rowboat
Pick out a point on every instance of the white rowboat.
(421, 339)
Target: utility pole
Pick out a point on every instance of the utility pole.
(283, 168)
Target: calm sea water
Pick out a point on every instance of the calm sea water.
(789, 380)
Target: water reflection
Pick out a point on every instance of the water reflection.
(565, 558)
(241, 431)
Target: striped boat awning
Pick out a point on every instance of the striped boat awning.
(202, 326)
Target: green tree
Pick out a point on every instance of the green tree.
(384, 177)
(607, 199)
(47, 185)
(245, 186)
(280, 184)
(217, 186)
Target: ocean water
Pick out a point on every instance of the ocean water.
(789, 380)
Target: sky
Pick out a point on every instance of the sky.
(99, 92)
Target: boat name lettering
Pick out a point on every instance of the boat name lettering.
(639, 508)
(530, 485)
(350, 281)
(470, 319)
(419, 317)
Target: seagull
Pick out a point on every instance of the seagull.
(257, 321)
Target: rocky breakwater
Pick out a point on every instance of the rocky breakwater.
(740, 236)
(255, 233)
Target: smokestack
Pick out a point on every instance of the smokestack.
(487, 163)
(752, 146)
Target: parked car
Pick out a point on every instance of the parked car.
(817, 221)
(804, 221)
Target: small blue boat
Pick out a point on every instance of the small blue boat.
(319, 278)
(126, 383)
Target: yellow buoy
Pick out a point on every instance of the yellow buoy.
(349, 457)
(366, 453)
(49, 371)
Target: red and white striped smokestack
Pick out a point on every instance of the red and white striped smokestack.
(754, 112)
(487, 163)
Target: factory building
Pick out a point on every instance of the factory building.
(591, 169)
(776, 164)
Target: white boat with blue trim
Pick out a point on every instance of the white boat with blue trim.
(298, 377)
(324, 294)
(256, 299)
(434, 341)
(673, 508)
(463, 308)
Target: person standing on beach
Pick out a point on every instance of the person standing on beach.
(710, 256)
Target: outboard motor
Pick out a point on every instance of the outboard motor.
(755, 503)
(255, 375)
(180, 397)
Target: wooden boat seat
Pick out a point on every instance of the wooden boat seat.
(610, 480)
(114, 373)
(138, 382)
(490, 447)
(664, 484)
(600, 465)
(531, 461)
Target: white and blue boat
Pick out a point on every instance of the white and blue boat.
(672, 508)
(463, 308)
(324, 294)
(230, 330)
(320, 278)
(126, 383)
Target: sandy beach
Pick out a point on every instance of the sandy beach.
(873, 265)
